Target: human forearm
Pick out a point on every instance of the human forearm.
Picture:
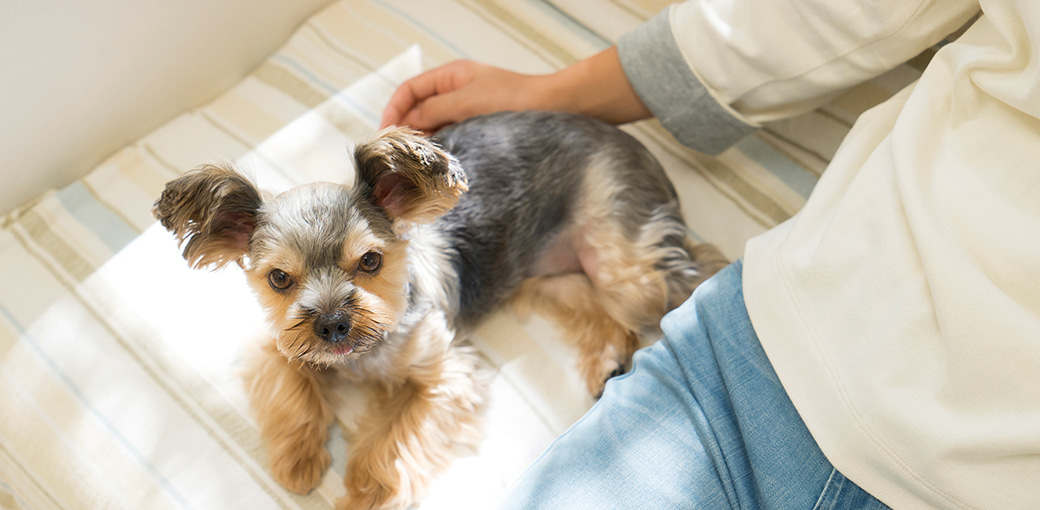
(596, 86)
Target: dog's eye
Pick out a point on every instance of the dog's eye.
(279, 280)
(371, 262)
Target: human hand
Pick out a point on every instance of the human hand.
(596, 86)
(460, 90)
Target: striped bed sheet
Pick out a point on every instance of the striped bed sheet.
(119, 366)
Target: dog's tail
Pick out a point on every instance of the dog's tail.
(706, 256)
(683, 262)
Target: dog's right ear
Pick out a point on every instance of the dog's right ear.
(212, 210)
(408, 176)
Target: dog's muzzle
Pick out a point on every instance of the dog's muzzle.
(332, 327)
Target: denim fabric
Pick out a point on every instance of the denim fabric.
(701, 421)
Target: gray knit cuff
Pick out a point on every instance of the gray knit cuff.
(655, 66)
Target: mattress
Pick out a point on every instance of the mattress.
(120, 368)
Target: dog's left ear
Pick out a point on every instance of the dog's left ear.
(408, 176)
(213, 211)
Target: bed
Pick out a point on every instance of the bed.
(120, 367)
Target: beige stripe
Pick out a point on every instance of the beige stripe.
(540, 373)
(857, 100)
(78, 268)
(824, 112)
(133, 167)
(650, 7)
(533, 40)
(346, 121)
(57, 435)
(199, 398)
(220, 126)
(186, 391)
(794, 151)
(637, 12)
(6, 455)
(12, 217)
(113, 208)
(179, 389)
(192, 392)
(318, 63)
(284, 80)
(762, 209)
(354, 22)
(7, 501)
(150, 151)
(763, 205)
(252, 123)
(213, 121)
(758, 206)
(8, 337)
(148, 175)
(334, 43)
(763, 180)
(41, 448)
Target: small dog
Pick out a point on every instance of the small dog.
(381, 280)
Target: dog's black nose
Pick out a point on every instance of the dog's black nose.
(332, 327)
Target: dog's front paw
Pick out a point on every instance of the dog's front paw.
(298, 465)
(596, 376)
(599, 367)
(366, 493)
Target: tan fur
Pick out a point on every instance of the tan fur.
(434, 183)
(707, 256)
(211, 210)
(293, 417)
(623, 290)
(414, 421)
(429, 389)
(604, 345)
(428, 396)
(382, 296)
(603, 313)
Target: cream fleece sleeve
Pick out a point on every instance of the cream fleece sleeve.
(712, 70)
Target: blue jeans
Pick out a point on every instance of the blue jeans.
(701, 421)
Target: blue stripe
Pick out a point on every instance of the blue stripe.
(97, 217)
(696, 237)
(331, 89)
(7, 488)
(592, 37)
(790, 173)
(78, 394)
(432, 34)
(337, 446)
(373, 117)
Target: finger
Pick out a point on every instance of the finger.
(435, 112)
(416, 90)
(399, 105)
(391, 116)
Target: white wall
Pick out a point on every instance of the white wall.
(80, 79)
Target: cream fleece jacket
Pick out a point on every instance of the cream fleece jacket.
(901, 306)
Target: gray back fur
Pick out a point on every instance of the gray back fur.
(525, 170)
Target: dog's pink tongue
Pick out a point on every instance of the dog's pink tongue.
(346, 349)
